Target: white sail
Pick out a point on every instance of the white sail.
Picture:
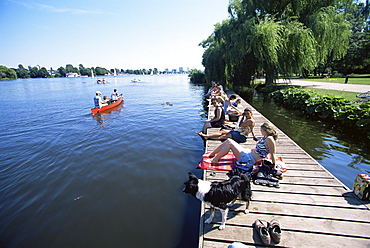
(115, 73)
(92, 74)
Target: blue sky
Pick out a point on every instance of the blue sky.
(124, 34)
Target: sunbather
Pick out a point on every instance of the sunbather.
(265, 145)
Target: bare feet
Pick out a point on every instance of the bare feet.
(211, 161)
(204, 136)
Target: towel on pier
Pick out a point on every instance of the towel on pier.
(225, 163)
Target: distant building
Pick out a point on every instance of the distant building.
(72, 74)
(52, 72)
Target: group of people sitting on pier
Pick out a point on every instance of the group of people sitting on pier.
(223, 105)
(106, 101)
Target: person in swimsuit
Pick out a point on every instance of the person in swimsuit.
(219, 116)
(265, 145)
(240, 134)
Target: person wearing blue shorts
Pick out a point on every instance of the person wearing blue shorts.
(264, 146)
(240, 134)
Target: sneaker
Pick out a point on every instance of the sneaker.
(261, 227)
(275, 231)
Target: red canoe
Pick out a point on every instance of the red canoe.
(108, 107)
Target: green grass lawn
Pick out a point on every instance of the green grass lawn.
(345, 94)
(353, 79)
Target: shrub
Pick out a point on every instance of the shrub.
(332, 109)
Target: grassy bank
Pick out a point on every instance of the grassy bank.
(350, 96)
(353, 79)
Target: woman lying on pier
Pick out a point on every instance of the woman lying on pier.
(240, 134)
(265, 145)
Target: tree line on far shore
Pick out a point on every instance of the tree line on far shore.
(37, 72)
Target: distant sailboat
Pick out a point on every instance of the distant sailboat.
(92, 74)
(115, 73)
(151, 73)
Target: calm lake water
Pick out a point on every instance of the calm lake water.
(69, 179)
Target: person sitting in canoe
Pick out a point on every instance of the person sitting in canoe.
(106, 100)
(98, 101)
(114, 96)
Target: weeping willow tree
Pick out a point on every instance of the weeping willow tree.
(277, 37)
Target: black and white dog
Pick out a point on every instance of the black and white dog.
(220, 195)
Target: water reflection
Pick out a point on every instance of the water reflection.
(102, 118)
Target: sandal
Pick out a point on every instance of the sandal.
(261, 226)
(275, 231)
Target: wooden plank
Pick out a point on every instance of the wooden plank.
(308, 211)
(313, 207)
(294, 223)
(289, 238)
(286, 181)
(317, 200)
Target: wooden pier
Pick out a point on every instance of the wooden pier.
(313, 207)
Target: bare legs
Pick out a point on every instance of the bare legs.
(220, 135)
(224, 149)
(206, 125)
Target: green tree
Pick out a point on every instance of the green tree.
(101, 71)
(7, 73)
(196, 76)
(357, 58)
(61, 71)
(43, 73)
(34, 72)
(22, 72)
(84, 71)
(71, 69)
(278, 37)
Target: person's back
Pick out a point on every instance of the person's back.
(114, 96)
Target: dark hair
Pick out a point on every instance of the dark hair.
(232, 97)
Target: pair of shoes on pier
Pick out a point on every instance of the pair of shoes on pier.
(265, 179)
(268, 230)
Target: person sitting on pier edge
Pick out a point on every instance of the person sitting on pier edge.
(213, 87)
(219, 116)
(114, 96)
(247, 157)
(98, 101)
(241, 133)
